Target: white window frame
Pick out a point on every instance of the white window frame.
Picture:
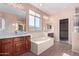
(35, 15)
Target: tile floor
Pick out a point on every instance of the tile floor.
(59, 49)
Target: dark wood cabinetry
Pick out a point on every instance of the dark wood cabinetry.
(29, 43)
(6, 46)
(14, 46)
(20, 45)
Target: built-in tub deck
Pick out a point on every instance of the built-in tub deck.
(41, 44)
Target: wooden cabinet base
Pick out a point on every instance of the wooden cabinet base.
(14, 46)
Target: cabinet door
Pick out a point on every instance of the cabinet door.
(23, 48)
(23, 42)
(28, 43)
(7, 47)
(17, 48)
(19, 45)
(0, 47)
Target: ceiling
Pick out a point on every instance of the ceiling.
(52, 8)
(49, 8)
(12, 10)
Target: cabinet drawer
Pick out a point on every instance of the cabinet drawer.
(4, 41)
(19, 39)
(19, 42)
(27, 37)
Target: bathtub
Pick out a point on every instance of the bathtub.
(39, 45)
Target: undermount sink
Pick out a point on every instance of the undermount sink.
(20, 33)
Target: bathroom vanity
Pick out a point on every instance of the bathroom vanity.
(15, 45)
(13, 37)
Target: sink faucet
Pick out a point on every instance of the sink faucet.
(15, 32)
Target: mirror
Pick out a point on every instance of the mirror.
(49, 27)
(15, 18)
(21, 24)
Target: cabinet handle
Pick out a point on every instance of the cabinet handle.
(18, 44)
(6, 43)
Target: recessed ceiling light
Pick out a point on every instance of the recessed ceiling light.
(40, 4)
(65, 7)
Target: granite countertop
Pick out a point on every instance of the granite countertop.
(12, 35)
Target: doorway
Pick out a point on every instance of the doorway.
(64, 30)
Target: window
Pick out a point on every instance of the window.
(31, 21)
(37, 23)
(34, 20)
(2, 24)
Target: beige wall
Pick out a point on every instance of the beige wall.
(69, 13)
(29, 6)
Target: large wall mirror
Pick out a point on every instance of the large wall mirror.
(15, 18)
